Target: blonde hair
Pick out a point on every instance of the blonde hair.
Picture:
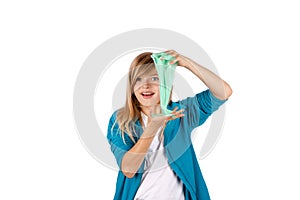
(131, 112)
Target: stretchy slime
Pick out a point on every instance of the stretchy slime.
(166, 73)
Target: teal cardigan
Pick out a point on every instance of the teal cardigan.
(178, 145)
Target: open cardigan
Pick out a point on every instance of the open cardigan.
(178, 145)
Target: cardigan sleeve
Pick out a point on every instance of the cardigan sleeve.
(200, 107)
(118, 145)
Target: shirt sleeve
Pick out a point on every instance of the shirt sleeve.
(118, 146)
(200, 107)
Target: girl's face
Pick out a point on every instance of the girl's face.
(146, 89)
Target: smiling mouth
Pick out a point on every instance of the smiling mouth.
(147, 94)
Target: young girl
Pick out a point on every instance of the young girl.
(155, 154)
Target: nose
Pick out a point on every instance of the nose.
(146, 84)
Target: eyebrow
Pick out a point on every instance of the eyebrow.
(155, 74)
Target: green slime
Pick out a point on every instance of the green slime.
(166, 74)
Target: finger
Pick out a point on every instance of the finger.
(177, 114)
(174, 110)
(173, 61)
(167, 57)
(180, 113)
(181, 110)
(170, 51)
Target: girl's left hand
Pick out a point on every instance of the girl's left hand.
(180, 59)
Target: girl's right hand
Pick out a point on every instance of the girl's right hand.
(163, 119)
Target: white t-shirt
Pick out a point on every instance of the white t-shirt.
(159, 182)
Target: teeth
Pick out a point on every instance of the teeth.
(147, 93)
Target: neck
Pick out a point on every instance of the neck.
(148, 110)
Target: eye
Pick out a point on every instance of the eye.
(138, 79)
(155, 78)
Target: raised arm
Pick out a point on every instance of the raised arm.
(219, 88)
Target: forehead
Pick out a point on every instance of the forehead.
(144, 72)
(150, 72)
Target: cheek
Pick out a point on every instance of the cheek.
(157, 89)
(136, 94)
(136, 90)
(157, 94)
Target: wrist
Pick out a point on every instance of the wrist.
(188, 63)
(147, 137)
(155, 125)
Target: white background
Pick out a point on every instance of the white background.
(254, 45)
